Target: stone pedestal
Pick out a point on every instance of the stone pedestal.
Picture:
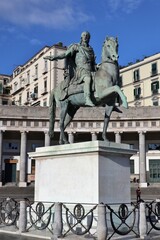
(89, 172)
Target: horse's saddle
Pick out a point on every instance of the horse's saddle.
(70, 88)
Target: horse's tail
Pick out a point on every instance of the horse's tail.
(52, 113)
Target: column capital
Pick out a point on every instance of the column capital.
(118, 132)
(142, 132)
(23, 131)
(71, 132)
(46, 132)
(94, 132)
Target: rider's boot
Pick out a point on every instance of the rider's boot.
(88, 101)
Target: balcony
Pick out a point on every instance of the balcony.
(27, 82)
(154, 91)
(154, 73)
(136, 97)
(27, 101)
(15, 91)
(44, 91)
(35, 77)
(45, 70)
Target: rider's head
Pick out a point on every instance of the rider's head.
(85, 37)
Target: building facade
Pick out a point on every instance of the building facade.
(32, 82)
(140, 82)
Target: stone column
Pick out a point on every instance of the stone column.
(23, 160)
(71, 137)
(1, 160)
(58, 222)
(46, 139)
(142, 160)
(94, 136)
(102, 230)
(23, 217)
(118, 137)
(142, 221)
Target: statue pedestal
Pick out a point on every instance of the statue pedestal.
(89, 172)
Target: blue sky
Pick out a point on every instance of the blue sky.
(26, 26)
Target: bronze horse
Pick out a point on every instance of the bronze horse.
(105, 93)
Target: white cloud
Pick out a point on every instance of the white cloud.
(126, 6)
(48, 13)
(35, 41)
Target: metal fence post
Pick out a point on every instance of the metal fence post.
(23, 217)
(102, 230)
(58, 224)
(142, 221)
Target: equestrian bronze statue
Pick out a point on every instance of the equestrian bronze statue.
(87, 84)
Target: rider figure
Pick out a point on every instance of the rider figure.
(83, 61)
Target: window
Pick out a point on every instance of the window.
(136, 75)
(45, 66)
(45, 84)
(28, 78)
(36, 89)
(154, 170)
(15, 86)
(137, 93)
(11, 146)
(20, 99)
(35, 145)
(36, 72)
(5, 81)
(154, 69)
(28, 95)
(4, 102)
(33, 166)
(1, 87)
(44, 102)
(34, 95)
(132, 166)
(154, 87)
(155, 103)
(154, 146)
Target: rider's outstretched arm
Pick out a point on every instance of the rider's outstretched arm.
(69, 52)
(52, 58)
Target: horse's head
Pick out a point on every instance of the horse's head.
(110, 49)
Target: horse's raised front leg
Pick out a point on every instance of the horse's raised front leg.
(115, 89)
(108, 111)
(122, 96)
(64, 107)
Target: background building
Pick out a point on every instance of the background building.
(32, 82)
(140, 81)
(5, 88)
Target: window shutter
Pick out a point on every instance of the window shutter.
(139, 91)
(134, 92)
(1, 87)
(151, 86)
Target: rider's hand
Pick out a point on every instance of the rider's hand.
(47, 58)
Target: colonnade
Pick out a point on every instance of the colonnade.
(23, 154)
